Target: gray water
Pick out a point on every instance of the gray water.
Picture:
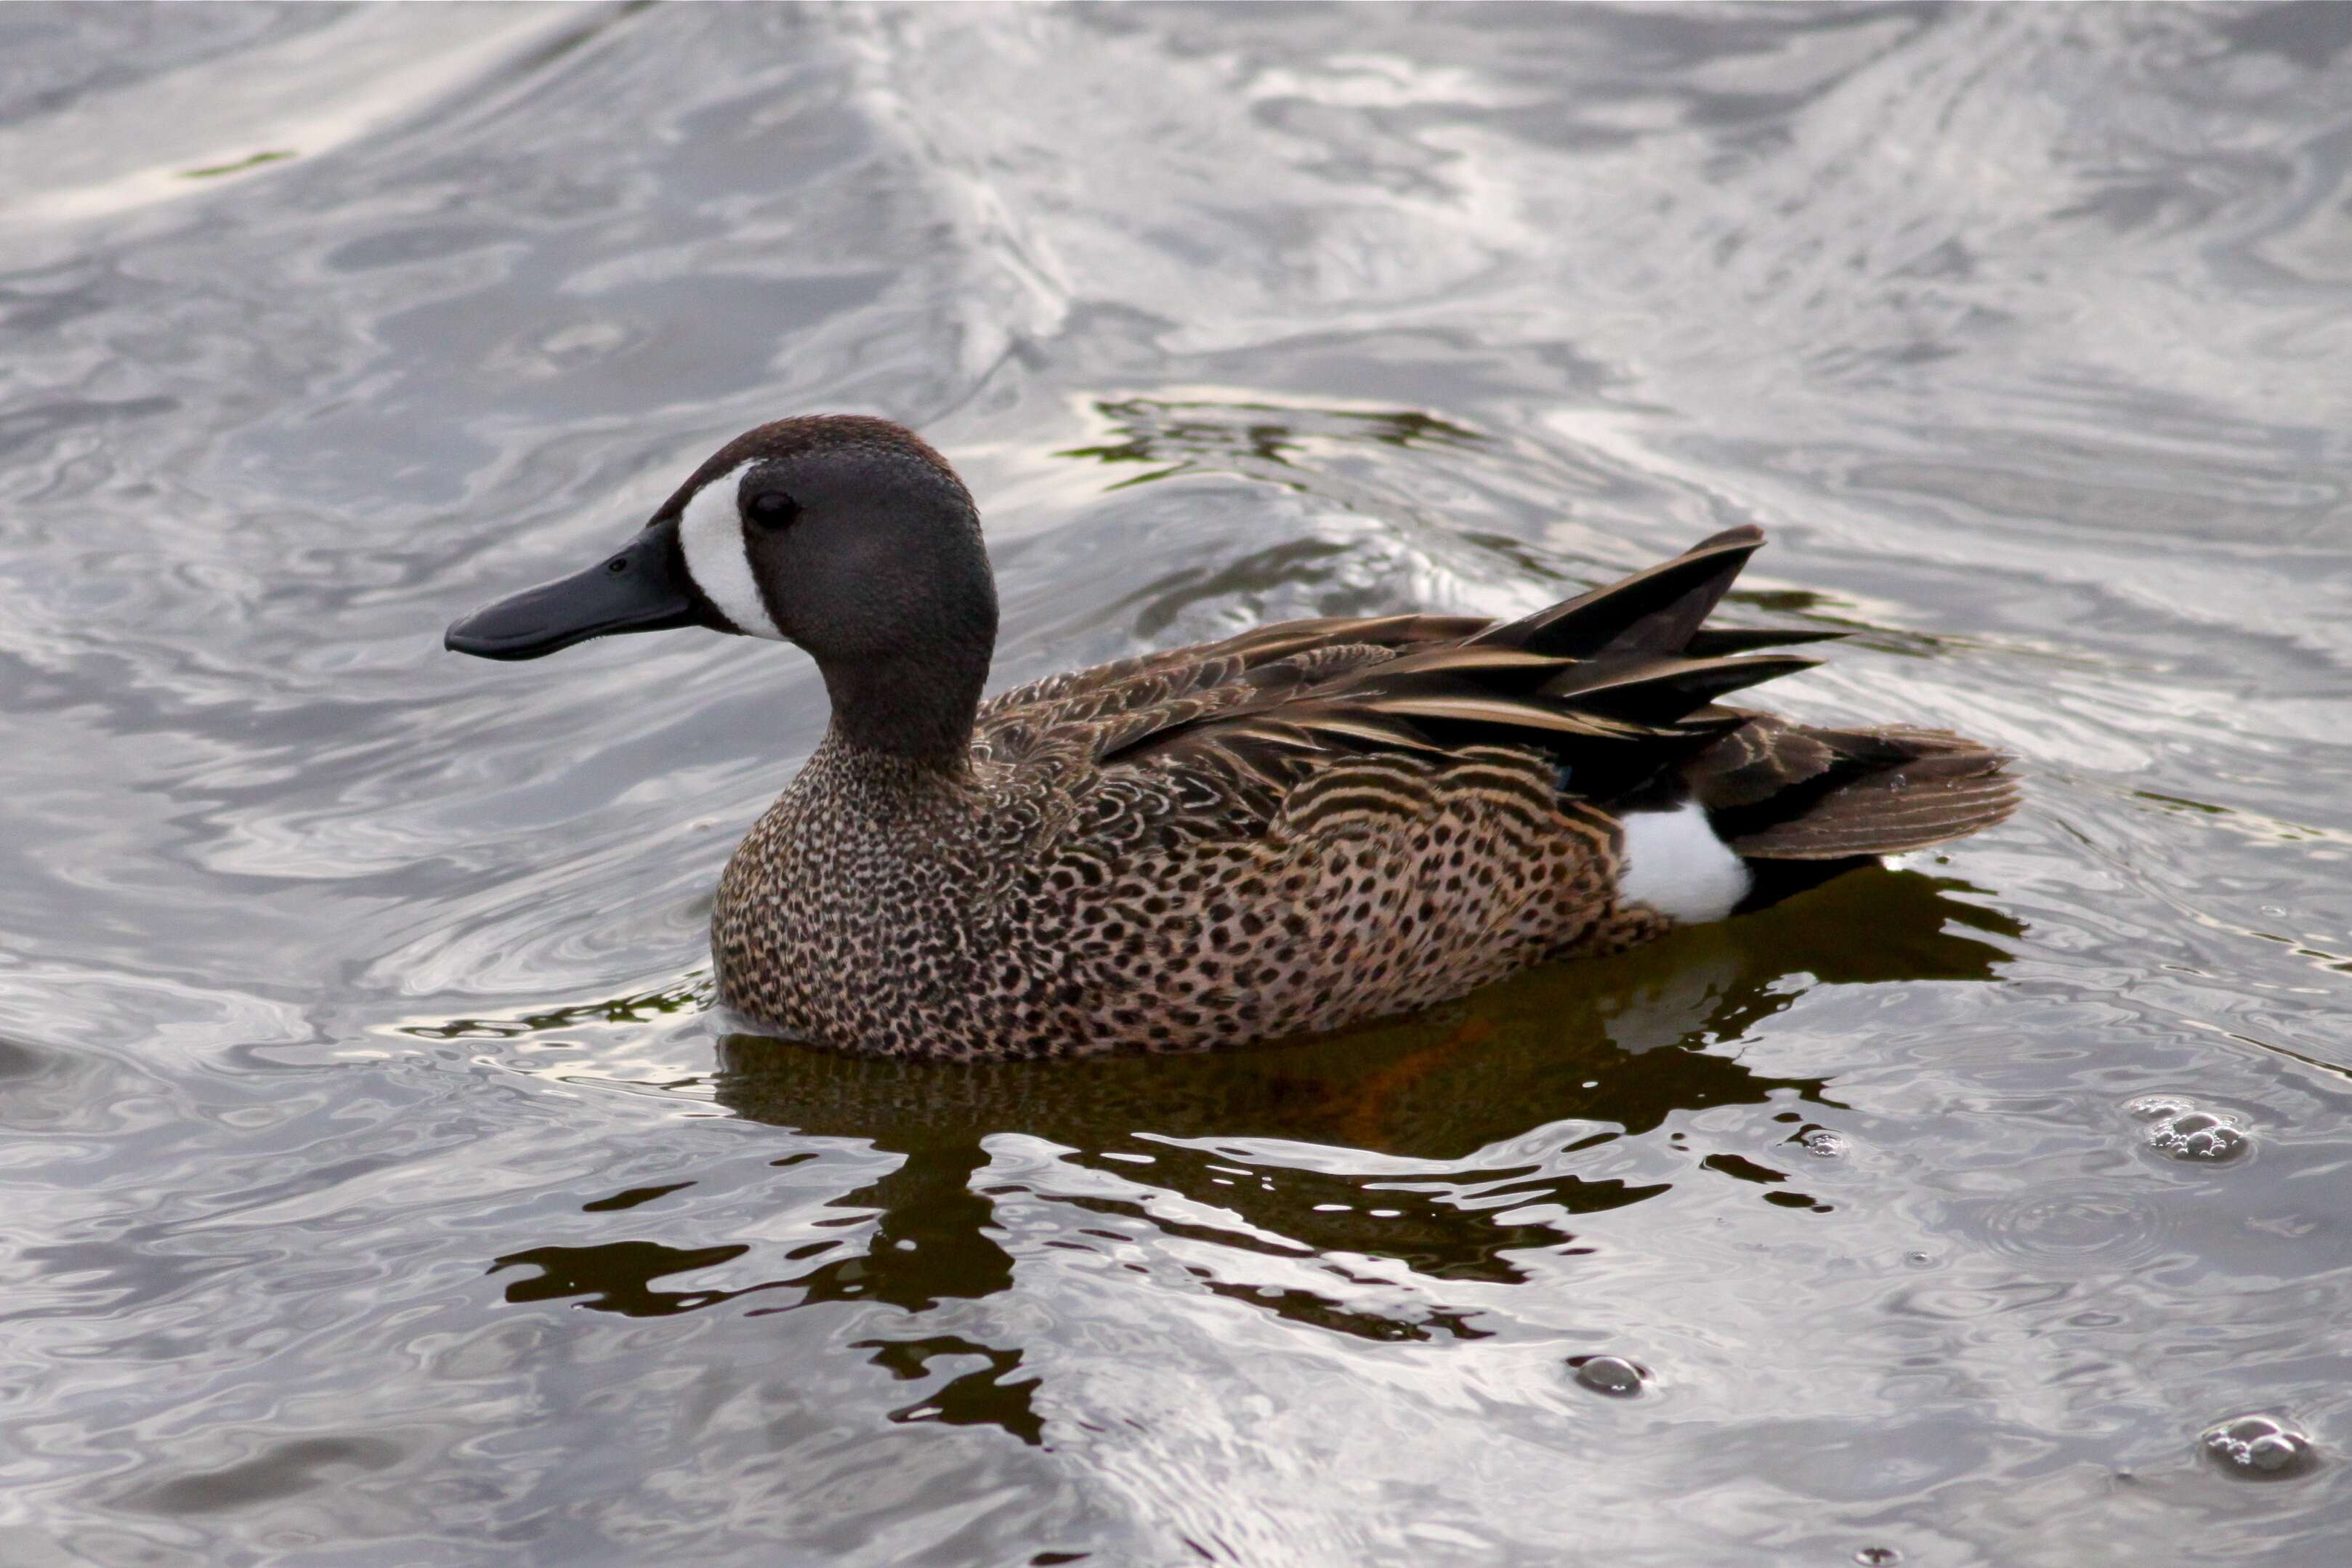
(380, 1187)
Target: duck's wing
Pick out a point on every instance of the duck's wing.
(1093, 711)
(1618, 691)
(1617, 686)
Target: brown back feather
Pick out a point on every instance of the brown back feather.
(1618, 686)
(1605, 683)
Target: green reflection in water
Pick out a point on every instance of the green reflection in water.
(238, 167)
(1260, 440)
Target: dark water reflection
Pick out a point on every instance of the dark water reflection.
(1548, 1058)
(1476, 1129)
(380, 1186)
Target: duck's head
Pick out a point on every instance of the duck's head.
(848, 536)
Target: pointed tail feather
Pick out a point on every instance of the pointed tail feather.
(1654, 611)
(1719, 642)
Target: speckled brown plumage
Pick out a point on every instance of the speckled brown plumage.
(1305, 825)
(1046, 905)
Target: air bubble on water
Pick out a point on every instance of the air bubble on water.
(2259, 1448)
(1878, 1557)
(2198, 1136)
(1610, 1374)
(1824, 1144)
(2177, 1129)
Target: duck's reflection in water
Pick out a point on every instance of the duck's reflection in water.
(1446, 1142)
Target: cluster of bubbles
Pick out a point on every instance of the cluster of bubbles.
(2179, 1129)
(2258, 1448)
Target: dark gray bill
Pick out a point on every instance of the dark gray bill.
(645, 588)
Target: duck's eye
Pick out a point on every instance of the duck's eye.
(772, 509)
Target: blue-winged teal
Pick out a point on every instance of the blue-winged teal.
(1308, 825)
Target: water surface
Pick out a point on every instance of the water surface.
(382, 1188)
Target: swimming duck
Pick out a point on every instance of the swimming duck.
(1305, 826)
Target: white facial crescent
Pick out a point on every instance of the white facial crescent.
(710, 534)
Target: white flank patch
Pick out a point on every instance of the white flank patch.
(710, 532)
(1675, 864)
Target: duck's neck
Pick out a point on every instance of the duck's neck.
(912, 711)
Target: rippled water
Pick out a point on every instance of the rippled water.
(380, 1188)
